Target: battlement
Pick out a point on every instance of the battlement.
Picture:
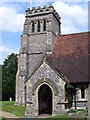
(41, 28)
(42, 10)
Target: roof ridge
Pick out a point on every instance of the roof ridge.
(73, 33)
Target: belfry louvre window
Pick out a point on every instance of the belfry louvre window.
(32, 26)
(82, 93)
(44, 25)
(38, 26)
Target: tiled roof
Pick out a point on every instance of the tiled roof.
(70, 56)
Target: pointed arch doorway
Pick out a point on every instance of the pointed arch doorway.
(45, 99)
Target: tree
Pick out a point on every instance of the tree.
(9, 69)
(0, 82)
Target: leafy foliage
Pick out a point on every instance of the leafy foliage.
(9, 69)
(0, 82)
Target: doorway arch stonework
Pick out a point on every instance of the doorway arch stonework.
(35, 98)
(45, 75)
(47, 80)
(45, 100)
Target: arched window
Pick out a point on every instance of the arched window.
(82, 93)
(44, 25)
(38, 29)
(32, 26)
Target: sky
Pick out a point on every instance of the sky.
(74, 19)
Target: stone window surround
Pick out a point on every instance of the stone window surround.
(36, 22)
(80, 98)
(44, 25)
(82, 93)
(33, 27)
(38, 26)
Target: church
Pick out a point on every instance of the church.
(52, 71)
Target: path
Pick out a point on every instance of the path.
(10, 115)
(7, 115)
(44, 116)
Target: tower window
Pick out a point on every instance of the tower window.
(82, 93)
(33, 26)
(44, 25)
(38, 26)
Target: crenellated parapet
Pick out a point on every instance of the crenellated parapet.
(42, 10)
(42, 25)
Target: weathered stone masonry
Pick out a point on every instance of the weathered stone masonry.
(33, 49)
(42, 61)
(45, 75)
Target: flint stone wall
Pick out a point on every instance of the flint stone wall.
(46, 75)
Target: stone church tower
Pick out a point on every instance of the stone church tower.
(35, 75)
(41, 28)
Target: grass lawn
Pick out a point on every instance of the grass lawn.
(62, 117)
(84, 110)
(0, 117)
(9, 106)
(20, 110)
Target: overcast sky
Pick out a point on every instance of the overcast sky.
(74, 19)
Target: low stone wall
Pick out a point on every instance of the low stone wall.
(80, 104)
(77, 116)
